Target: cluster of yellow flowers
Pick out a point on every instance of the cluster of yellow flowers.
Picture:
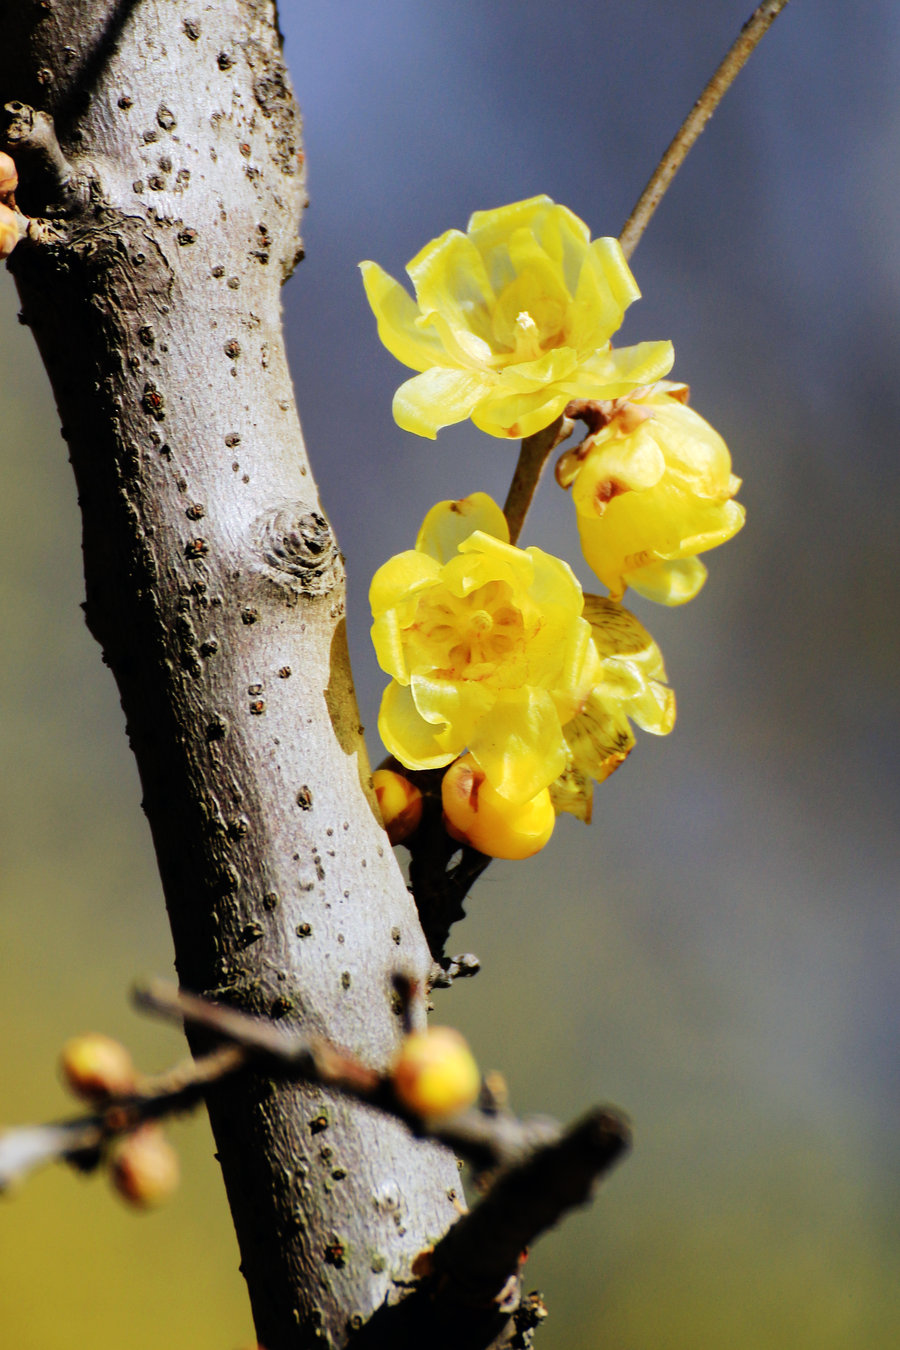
(501, 667)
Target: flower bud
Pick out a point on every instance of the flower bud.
(476, 814)
(435, 1073)
(11, 230)
(96, 1067)
(400, 802)
(144, 1167)
(9, 178)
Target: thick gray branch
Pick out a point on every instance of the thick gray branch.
(214, 586)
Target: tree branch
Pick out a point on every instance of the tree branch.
(465, 1289)
(215, 588)
(735, 59)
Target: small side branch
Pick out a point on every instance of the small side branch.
(82, 1141)
(50, 184)
(754, 29)
(470, 1293)
(535, 452)
(441, 870)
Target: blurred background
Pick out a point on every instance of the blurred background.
(717, 953)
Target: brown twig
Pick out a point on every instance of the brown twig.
(470, 1292)
(485, 1139)
(533, 455)
(752, 32)
(467, 1288)
(82, 1141)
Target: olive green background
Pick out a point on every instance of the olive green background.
(717, 953)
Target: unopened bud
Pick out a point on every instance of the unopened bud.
(96, 1067)
(9, 178)
(435, 1073)
(144, 1167)
(12, 229)
(400, 802)
(476, 814)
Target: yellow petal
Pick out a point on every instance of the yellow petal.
(438, 398)
(599, 738)
(654, 709)
(519, 414)
(616, 632)
(573, 792)
(527, 376)
(450, 277)
(464, 349)
(487, 229)
(401, 576)
(617, 371)
(566, 239)
(475, 566)
(618, 464)
(521, 747)
(397, 314)
(453, 707)
(390, 647)
(503, 559)
(605, 290)
(406, 734)
(449, 523)
(669, 583)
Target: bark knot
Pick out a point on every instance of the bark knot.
(300, 550)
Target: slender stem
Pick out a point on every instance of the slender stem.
(179, 1089)
(533, 455)
(753, 30)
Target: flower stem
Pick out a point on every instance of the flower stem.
(753, 30)
(533, 455)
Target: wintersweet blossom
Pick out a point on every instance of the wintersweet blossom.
(630, 687)
(487, 648)
(511, 321)
(652, 489)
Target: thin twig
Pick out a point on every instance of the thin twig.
(81, 1140)
(485, 1139)
(753, 30)
(533, 455)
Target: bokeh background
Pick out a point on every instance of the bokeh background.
(718, 952)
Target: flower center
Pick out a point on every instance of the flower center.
(480, 636)
(527, 338)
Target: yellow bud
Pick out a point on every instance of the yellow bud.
(96, 1067)
(435, 1073)
(476, 814)
(144, 1167)
(9, 178)
(10, 230)
(400, 802)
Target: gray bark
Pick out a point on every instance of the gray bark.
(215, 588)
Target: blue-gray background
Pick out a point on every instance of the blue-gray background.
(717, 953)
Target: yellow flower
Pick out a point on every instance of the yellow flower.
(487, 648)
(510, 322)
(630, 685)
(652, 489)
